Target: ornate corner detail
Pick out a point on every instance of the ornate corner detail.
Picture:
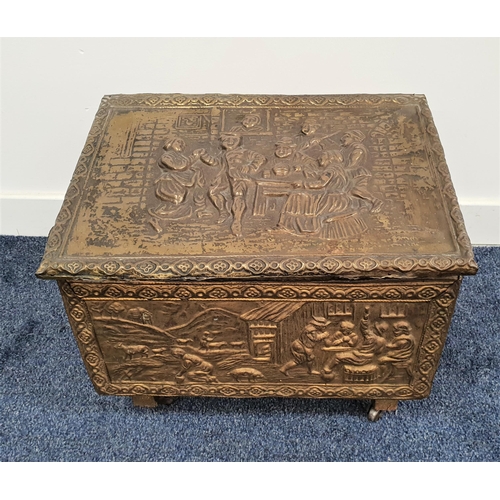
(81, 325)
(59, 231)
(434, 337)
(437, 158)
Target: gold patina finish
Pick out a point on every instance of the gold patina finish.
(248, 246)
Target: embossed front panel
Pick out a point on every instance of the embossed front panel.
(359, 340)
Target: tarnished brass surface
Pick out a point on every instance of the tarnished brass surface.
(253, 246)
(363, 340)
(172, 186)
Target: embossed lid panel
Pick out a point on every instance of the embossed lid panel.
(214, 186)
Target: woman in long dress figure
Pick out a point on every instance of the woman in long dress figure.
(340, 210)
(177, 176)
(300, 211)
(322, 203)
(354, 157)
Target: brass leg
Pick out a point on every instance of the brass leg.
(380, 405)
(144, 401)
(385, 404)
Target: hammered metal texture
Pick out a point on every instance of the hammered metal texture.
(173, 186)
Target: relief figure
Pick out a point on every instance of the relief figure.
(400, 350)
(172, 187)
(298, 214)
(302, 349)
(205, 340)
(344, 339)
(372, 344)
(193, 367)
(230, 187)
(346, 193)
(315, 198)
(289, 159)
(329, 193)
(309, 140)
(251, 124)
(287, 166)
(354, 156)
(307, 135)
(324, 193)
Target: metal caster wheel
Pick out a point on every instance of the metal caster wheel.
(380, 405)
(374, 415)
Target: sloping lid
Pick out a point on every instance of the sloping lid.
(230, 186)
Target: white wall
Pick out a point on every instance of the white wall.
(51, 89)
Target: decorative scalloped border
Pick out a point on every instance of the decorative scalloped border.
(416, 291)
(237, 100)
(440, 295)
(178, 268)
(54, 265)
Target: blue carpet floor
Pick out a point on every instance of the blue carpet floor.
(50, 412)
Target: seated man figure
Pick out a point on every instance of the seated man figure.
(345, 336)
